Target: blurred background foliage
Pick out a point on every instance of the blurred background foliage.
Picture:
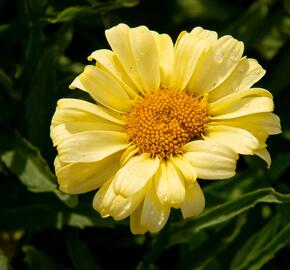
(44, 45)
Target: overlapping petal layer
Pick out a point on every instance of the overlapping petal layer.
(95, 150)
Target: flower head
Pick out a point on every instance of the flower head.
(165, 115)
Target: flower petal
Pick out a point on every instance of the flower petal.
(194, 201)
(184, 168)
(242, 141)
(108, 202)
(270, 122)
(260, 125)
(104, 88)
(145, 54)
(135, 174)
(245, 74)
(75, 110)
(169, 185)
(253, 100)
(211, 160)
(186, 57)
(188, 49)
(216, 64)
(62, 132)
(92, 146)
(165, 49)
(130, 152)
(154, 214)
(118, 38)
(77, 178)
(135, 222)
(264, 154)
(107, 60)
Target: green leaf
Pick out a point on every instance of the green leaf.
(40, 102)
(200, 9)
(70, 13)
(181, 232)
(248, 25)
(216, 243)
(25, 161)
(5, 80)
(261, 247)
(39, 260)
(73, 12)
(255, 243)
(80, 255)
(4, 27)
(274, 36)
(279, 165)
(32, 211)
(279, 79)
(4, 264)
(113, 4)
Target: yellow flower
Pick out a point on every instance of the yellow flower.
(164, 116)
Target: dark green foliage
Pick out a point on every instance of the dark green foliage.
(44, 45)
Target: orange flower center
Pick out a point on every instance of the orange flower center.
(162, 122)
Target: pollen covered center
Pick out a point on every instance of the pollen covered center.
(162, 122)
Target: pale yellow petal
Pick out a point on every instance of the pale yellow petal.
(245, 74)
(211, 160)
(98, 199)
(145, 54)
(165, 49)
(242, 141)
(224, 103)
(130, 152)
(76, 84)
(264, 154)
(135, 174)
(154, 214)
(107, 60)
(269, 122)
(58, 163)
(184, 168)
(118, 38)
(210, 36)
(216, 64)
(105, 89)
(108, 202)
(77, 178)
(169, 185)
(180, 36)
(186, 57)
(260, 125)
(75, 110)
(62, 132)
(92, 146)
(135, 222)
(194, 201)
(242, 103)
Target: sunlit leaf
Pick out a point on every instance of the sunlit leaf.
(25, 161)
